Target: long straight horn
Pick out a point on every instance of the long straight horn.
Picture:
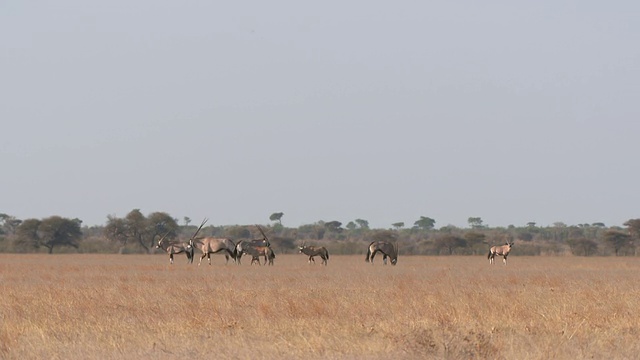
(200, 228)
(164, 236)
(262, 232)
(264, 236)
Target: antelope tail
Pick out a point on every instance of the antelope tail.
(368, 254)
(327, 254)
(489, 255)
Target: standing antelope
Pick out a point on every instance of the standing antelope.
(245, 247)
(241, 245)
(172, 247)
(503, 251)
(211, 245)
(386, 248)
(257, 251)
(313, 251)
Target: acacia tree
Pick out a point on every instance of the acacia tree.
(334, 226)
(399, 225)
(277, 217)
(158, 225)
(50, 232)
(58, 231)
(135, 227)
(617, 240)
(475, 222)
(117, 230)
(425, 223)
(364, 224)
(136, 224)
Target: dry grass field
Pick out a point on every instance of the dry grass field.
(140, 307)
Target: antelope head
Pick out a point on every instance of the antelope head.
(159, 246)
(394, 259)
(302, 247)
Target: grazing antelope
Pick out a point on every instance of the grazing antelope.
(172, 247)
(386, 248)
(211, 245)
(257, 251)
(503, 251)
(313, 251)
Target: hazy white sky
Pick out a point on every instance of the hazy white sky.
(334, 110)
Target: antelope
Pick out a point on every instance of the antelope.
(503, 251)
(257, 251)
(211, 245)
(313, 251)
(172, 247)
(386, 248)
(243, 244)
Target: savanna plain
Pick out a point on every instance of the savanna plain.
(139, 307)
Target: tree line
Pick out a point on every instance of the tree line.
(138, 233)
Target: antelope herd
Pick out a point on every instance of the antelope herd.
(262, 248)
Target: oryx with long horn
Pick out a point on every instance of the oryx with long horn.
(243, 245)
(174, 247)
(257, 251)
(211, 245)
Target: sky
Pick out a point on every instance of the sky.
(513, 112)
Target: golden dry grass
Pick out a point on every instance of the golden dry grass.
(140, 307)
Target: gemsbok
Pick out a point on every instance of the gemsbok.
(313, 251)
(503, 251)
(257, 251)
(174, 247)
(211, 245)
(386, 248)
(243, 244)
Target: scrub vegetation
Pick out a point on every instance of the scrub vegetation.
(137, 233)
